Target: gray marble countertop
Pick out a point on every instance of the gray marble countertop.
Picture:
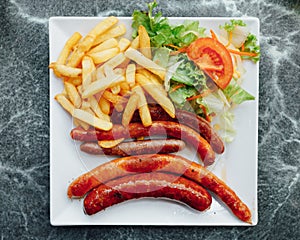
(24, 121)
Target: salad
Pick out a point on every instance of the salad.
(205, 71)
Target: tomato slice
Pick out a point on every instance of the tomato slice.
(213, 58)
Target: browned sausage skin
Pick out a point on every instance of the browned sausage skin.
(155, 185)
(135, 148)
(163, 163)
(189, 119)
(136, 130)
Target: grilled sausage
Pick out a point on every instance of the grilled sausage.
(163, 163)
(154, 185)
(135, 148)
(135, 130)
(189, 119)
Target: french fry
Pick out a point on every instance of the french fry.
(123, 44)
(143, 106)
(82, 124)
(113, 62)
(156, 94)
(140, 59)
(111, 33)
(115, 89)
(152, 78)
(104, 105)
(135, 44)
(67, 71)
(114, 99)
(119, 71)
(97, 110)
(73, 94)
(92, 120)
(76, 81)
(71, 42)
(129, 109)
(103, 26)
(109, 43)
(144, 40)
(85, 105)
(110, 143)
(103, 56)
(101, 85)
(65, 103)
(130, 74)
(85, 45)
(88, 68)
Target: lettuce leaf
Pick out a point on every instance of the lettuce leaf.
(250, 45)
(236, 94)
(180, 95)
(189, 74)
(229, 27)
(161, 33)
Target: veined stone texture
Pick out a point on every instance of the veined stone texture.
(24, 121)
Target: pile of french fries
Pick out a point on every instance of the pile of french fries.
(104, 70)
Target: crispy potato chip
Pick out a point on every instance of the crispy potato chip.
(110, 143)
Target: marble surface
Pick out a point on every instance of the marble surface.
(24, 118)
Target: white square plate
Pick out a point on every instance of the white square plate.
(237, 166)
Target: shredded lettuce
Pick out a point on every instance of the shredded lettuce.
(189, 74)
(236, 94)
(250, 45)
(229, 27)
(161, 33)
(180, 95)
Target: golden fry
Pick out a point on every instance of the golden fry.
(111, 33)
(76, 81)
(87, 117)
(67, 71)
(156, 94)
(123, 44)
(103, 26)
(144, 40)
(71, 42)
(130, 74)
(109, 43)
(110, 143)
(104, 105)
(143, 106)
(101, 57)
(88, 69)
(65, 103)
(101, 85)
(131, 106)
(97, 110)
(73, 94)
(140, 59)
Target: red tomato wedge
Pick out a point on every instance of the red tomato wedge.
(213, 58)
